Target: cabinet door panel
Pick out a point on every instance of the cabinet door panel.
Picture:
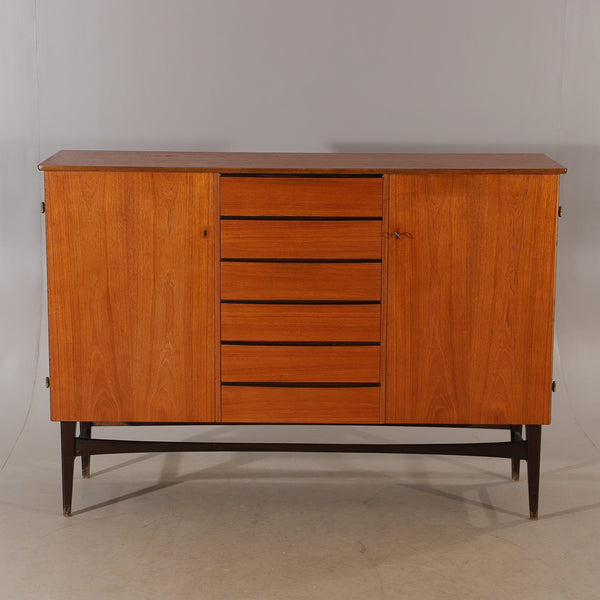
(131, 296)
(470, 298)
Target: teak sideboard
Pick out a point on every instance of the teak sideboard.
(383, 289)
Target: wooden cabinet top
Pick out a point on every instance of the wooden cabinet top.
(298, 163)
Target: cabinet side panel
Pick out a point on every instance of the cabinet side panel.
(471, 298)
(131, 296)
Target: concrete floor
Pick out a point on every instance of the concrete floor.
(256, 526)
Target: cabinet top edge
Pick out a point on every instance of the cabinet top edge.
(299, 163)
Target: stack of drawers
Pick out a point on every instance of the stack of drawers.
(301, 264)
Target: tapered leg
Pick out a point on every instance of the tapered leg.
(516, 435)
(85, 432)
(534, 442)
(67, 447)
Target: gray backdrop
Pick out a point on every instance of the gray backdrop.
(315, 75)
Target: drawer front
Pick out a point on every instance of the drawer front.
(304, 239)
(301, 281)
(300, 323)
(257, 404)
(301, 267)
(300, 364)
(301, 196)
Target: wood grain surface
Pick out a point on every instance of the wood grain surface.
(300, 163)
(301, 196)
(300, 281)
(135, 287)
(384, 298)
(300, 405)
(313, 364)
(259, 239)
(470, 299)
(300, 323)
(131, 296)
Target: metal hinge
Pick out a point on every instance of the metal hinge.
(560, 211)
(554, 386)
(47, 382)
(43, 208)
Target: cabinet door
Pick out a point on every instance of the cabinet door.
(131, 296)
(470, 298)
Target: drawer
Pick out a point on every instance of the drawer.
(257, 404)
(301, 196)
(300, 281)
(300, 322)
(295, 364)
(302, 239)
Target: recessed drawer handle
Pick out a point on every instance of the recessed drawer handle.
(401, 234)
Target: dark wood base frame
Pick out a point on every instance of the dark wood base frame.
(517, 449)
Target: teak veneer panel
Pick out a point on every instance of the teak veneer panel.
(300, 322)
(131, 297)
(135, 282)
(300, 281)
(300, 163)
(292, 364)
(256, 404)
(301, 196)
(471, 296)
(300, 240)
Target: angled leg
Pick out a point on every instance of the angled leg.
(534, 442)
(85, 432)
(67, 447)
(516, 435)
